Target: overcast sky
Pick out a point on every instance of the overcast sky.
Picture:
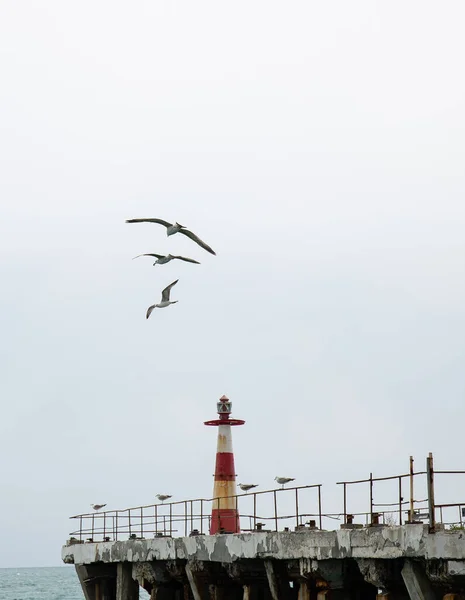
(319, 148)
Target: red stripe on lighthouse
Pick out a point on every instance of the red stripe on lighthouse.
(225, 519)
(224, 468)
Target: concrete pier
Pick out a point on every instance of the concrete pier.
(373, 563)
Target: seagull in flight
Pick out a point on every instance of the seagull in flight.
(97, 506)
(172, 228)
(165, 299)
(245, 487)
(283, 480)
(162, 259)
(163, 497)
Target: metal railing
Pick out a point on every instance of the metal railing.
(267, 510)
(286, 509)
(377, 509)
(413, 510)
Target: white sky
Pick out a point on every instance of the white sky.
(319, 148)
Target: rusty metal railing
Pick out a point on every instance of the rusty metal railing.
(285, 509)
(267, 510)
(377, 509)
(419, 510)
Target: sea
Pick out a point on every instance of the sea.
(45, 583)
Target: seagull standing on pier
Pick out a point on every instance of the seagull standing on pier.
(172, 228)
(97, 506)
(283, 480)
(163, 497)
(245, 487)
(162, 259)
(165, 299)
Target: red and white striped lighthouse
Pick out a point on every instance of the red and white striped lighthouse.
(225, 516)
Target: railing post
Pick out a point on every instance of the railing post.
(410, 516)
(400, 500)
(141, 522)
(129, 521)
(201, 515)
(185, 518)
(104, 526)
(371, 497)
(345, 503)
(430, 483)
(254, 510)
(319, 507)
(156, 520)
(116, 526)
(171, 519)
(296, 507)
(275, 511)
(92, 532)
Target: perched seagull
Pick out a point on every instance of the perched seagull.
(172, 228)
(165, 299)
(162, 260)
(283, 480)
(163, 497)
(97, 506)
(245, 487)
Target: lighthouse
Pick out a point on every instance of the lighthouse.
(225, 516)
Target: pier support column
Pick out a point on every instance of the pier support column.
(416, 582)
(126, 587)
(304, 591)
(88, 587)
(194, 583)
(278, 584)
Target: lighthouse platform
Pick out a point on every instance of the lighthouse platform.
(397, 562)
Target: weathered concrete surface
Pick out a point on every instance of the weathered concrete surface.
(406, 541)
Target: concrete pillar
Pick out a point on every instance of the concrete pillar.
(304, 591)
(194, 583)
(88, 587)
(126, 587)
(416, 581)
(278, 584)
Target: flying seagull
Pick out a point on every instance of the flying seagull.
(245, 487)
(162, 259)
(165, 299)
(172, 228)
(283, 480)
(97, 506)
(163, 497)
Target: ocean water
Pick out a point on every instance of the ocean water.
(48, 583)
(54, 583)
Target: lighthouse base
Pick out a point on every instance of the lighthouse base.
(224, 520)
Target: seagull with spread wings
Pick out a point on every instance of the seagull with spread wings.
(172, 228)
(165, 299)
(162, 259)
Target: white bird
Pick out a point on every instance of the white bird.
(165, 299)
(283, 480)
(163, 497)
(172, 228)
(162, 259)
(247, 486)
(97, 506)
